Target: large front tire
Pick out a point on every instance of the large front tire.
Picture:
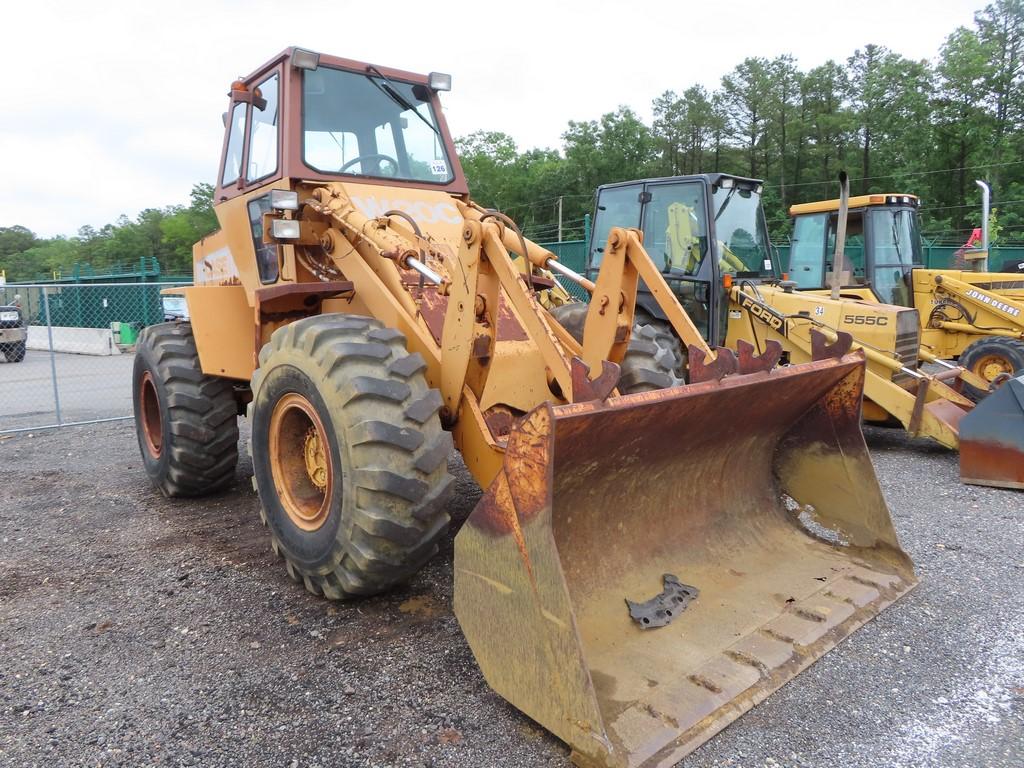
(186, 422)
(349, 456)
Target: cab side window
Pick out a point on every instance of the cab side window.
(266, 253)
(233, 155)
(263, 132)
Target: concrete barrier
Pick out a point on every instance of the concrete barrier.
(79, 341)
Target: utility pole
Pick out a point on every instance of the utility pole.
(559, 218)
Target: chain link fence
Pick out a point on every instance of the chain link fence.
(573, 254)
(79, 345)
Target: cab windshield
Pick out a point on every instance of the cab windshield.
(740, 229)
(895, 243)
(364, 124)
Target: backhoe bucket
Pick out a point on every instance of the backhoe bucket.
(992, 438)
(646, 569)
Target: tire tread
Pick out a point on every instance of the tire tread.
(399, 484)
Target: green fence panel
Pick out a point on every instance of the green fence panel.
(88, 305)
(941, 256)
(573, 254)
(783, 256)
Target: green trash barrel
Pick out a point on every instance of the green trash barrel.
(129, 333)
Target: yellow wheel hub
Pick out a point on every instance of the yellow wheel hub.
(990, 367)
(300, 461)
(316, 460)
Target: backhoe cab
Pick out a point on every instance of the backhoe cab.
(883, 247)
(702, 231)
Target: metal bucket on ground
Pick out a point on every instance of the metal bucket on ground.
(741, 518)
(992, 438)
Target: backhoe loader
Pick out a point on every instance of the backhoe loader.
(969, 315)
(972, 316)
(646, 562)
(709, 237)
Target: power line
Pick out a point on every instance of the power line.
(970, 205)
(902, 175)
(542, 201)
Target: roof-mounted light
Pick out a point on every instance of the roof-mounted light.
(303, 59)
(439, 81)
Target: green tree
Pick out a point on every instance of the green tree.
(745, 99)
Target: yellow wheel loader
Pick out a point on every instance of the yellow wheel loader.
(970, 315)
(646, 562)
(708, 235)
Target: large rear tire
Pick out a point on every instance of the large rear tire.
(186, 422)
(989, 358)
(349, 456)
(650, 361)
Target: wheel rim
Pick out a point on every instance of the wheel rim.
(152, 424)
(990, 367)
(300, 461)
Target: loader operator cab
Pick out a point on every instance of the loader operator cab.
(883, 245)
(697, 229)
(309, 117)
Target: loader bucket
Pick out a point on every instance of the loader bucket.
(992, 438)
(741, 518)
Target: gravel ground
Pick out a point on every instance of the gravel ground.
(135, 630)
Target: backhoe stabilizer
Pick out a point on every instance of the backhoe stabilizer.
(600, 503)
(992, 439)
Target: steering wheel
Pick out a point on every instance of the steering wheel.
(375, 156)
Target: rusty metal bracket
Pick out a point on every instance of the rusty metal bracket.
(664, 608)
(751, 363)
(723, 364)
(584, 389)
(822, 350)
(917, 414)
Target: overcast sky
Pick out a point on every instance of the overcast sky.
(111, 107)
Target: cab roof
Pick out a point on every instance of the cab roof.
(860, 201)
(714, 179)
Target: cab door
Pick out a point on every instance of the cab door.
(677, 237)
(807, 252)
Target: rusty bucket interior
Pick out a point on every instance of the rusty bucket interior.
(992, 438)
(755, 494)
